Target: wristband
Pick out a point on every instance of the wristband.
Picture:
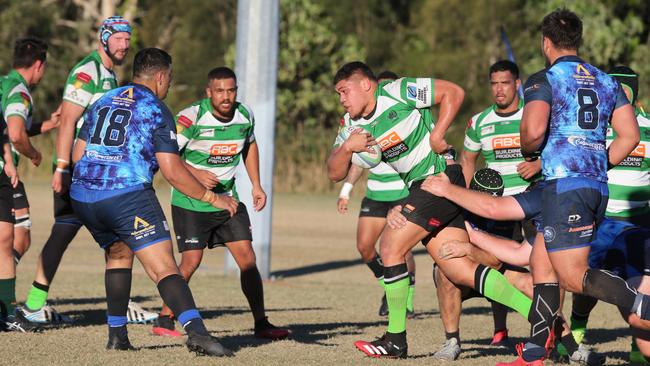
(208, 196)
(345, 190)
(62, 164)
(62, 170)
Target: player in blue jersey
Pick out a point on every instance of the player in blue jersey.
(128, 134)
(567, 109)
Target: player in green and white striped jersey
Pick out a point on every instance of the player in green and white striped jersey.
(395, 115)
(384, 190)
(29, 64)
(214, 135)
(494, 133)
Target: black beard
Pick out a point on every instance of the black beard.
(115, 60)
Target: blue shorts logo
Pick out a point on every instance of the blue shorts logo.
(549, 234)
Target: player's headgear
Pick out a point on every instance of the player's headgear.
(628, 78)
(110, 26)
(487, 180)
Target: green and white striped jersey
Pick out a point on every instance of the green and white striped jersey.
(16, 101)
(401, 124)
(629, 181)
(384, 184)
(207, 143)
(88, 81)
(496, 136)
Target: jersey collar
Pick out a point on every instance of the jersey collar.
(569, 58)
(520, 105)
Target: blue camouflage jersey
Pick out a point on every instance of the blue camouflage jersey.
(123, 131)
(582, 100)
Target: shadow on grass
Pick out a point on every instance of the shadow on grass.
(326, 266)
(94, 300)
(237, 310)
(314, 333)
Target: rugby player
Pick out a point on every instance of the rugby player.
(214, 135)
(29, 64)
(567, 107)
(87, 82)
(494, 132)
(128, 134)
(384, 190)
(17, 111)
(397, 114)
(629, 192)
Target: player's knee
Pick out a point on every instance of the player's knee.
(247, 261)
(367, 251)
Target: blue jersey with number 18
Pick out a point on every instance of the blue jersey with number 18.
(124, 130)
(582, 100)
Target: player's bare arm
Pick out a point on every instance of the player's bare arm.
(19, 138)
(529, 169)
(252, 164)
(627, 134)
(468, 162)
(533, 125)
(205, 177)
(506, 250)
(344, 197)
(449, 96)
(338, 163)
(482, 204)
(180, 178)
(10, 168)
(70, 114)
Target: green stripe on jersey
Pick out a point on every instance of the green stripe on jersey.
(497, 137)
(16, 101)
(401, 124)
(629, 182)
(213, 145)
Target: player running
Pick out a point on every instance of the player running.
(567, 109)
(397, 115)
(384, 190)
(87, 82)
(214, 135)
(629, 193)
(127, 135)
(29, 64)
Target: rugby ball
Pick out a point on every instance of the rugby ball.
(366, 159)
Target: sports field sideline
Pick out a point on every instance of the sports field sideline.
(321, 292)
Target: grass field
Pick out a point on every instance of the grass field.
(321, 291)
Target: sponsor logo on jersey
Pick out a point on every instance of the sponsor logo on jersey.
(487, 130)
(179, 129)
(469, 124)
(184, 121)
(635, 159)
(95, 155)
(142, 229)
(392, 145)
(392, 115)
(581, 142)
(125, 98)
(81, 79)
(584, 231)
(107, 85)
(222, 154)
(172, 135)
(27, 100)
(583, 76)
(507, 147)
(417, 94)
(574, 218)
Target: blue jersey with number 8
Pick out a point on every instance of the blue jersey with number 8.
(582, 100)
(124, 130)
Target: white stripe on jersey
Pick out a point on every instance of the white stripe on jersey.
(617, 206)
(628, 178)
(416, 155)
(224, 173)
(375, 185)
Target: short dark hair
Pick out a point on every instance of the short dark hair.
(220, 73)
(351, 68)
(387, 74)
(27, 51)
(149, 61)
(564, 28)
(505, 65)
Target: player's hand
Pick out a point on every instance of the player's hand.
(529, 169)
(60, 182)
(259, 198)
(395, 219)
(436, 184)
(342, 205)
(206, 178)
(36, 160)
(439, 145)
(12, 173)
(454, 249)
(225, 202)
(359, 141)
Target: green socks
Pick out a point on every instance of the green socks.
(493, 285)
(37, 296)
(8, 294)
(409, 298)
(396, 283)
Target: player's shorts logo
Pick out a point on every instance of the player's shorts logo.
(142, 229)
(549, 234)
